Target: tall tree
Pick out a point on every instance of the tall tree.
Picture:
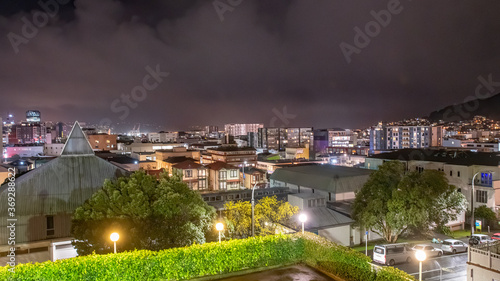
(391, 201)
(146, 212)
(270, 213)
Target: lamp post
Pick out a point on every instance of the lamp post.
(220, 227)
(303, 219)
(114, 237)
(472, 222)
(421, 256)
(253, 209)
(244, 164)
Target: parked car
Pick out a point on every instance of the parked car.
(429, 250)
(392, 253)
(454, 246)
(476, 239)
(496, 236)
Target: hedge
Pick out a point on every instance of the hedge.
(208, 259)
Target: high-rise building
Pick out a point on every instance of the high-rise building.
(437, 135)
(242, 129)
(281, 138)
(33, 116)
(399, 137)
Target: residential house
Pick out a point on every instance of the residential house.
(223, 176)
(192, 173)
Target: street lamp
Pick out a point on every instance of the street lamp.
(302, 219)
(114, 237)
(421, 256)
(253, 209)
(472, 222)
(220, 227)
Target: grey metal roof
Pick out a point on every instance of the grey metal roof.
(336, 179)
(322, 217)
(77, 143)
(60, 186)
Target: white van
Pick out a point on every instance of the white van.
(392, 253)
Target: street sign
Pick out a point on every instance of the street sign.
(366, 232)
(478, 225)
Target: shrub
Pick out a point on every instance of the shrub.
(210, 259)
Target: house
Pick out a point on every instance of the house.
(174, 153)
(223, 176)
(251, 176)
(192, 173)
(47, 197)
(237, 156)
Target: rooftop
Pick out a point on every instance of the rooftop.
(336, 179)
(449, 156)
(188, 164)
(221, 165)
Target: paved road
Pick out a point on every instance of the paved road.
(289, 273)
(454, 267)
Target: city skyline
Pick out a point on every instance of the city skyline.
(243, 63)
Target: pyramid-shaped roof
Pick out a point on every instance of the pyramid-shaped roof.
(77, 143)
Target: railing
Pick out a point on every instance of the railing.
(486, 255)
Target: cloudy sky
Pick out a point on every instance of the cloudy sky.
(243, 60)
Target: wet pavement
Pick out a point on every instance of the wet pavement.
(289, 273)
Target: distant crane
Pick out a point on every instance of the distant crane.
(136, 131)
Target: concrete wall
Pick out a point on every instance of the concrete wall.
(339, 234)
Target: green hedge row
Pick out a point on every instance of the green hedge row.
(208, 259)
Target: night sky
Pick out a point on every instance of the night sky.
(262, 55)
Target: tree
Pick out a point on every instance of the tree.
(269, 215)
(392, 201)
(485, 214)
(146, 212)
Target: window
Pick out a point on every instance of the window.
(188, 173)
(481, 196)
(202, 173)
(451, 173)
(50, 225)
(486, 179)
(234, 173)
(458, 174)
(329, 196)
(202, 184)
(222, 185)
(222, 175)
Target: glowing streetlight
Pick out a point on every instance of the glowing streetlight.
(114, 237)
(220, 227)
(421, 256)
(303, 219)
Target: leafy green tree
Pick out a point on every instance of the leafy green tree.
(270, 213)
(392, 201)
(146, 212)
(485, 214)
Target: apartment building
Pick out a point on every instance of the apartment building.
(241, 129)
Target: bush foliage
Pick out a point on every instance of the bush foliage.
(209, 259)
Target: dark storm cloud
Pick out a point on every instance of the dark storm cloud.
(264, 55)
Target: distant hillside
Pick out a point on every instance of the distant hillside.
(489, 107)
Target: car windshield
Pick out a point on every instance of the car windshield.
(447, 243)
(496, 235)
(379, 250)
